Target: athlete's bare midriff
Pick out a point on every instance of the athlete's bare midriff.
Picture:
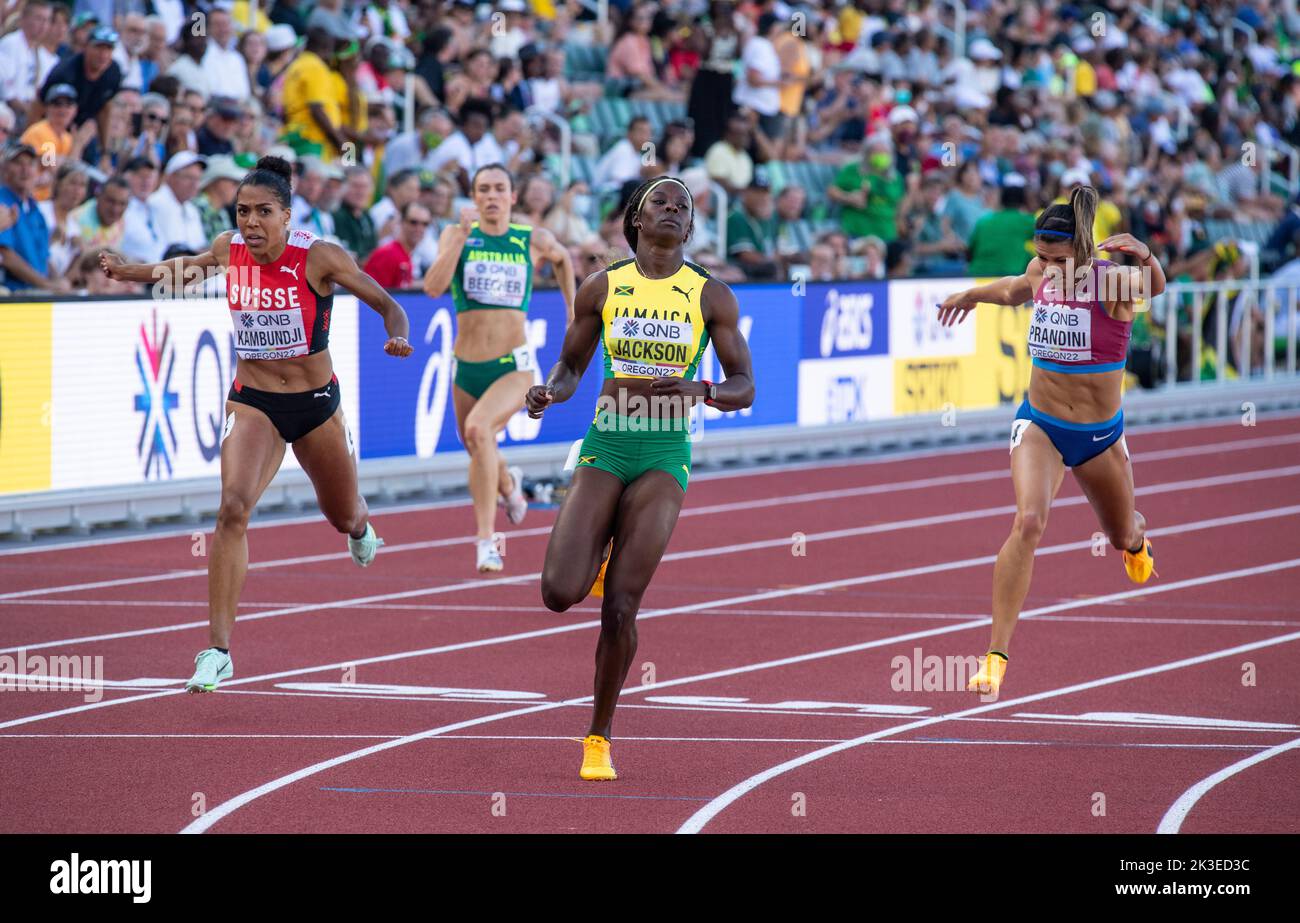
(305, 373)
(633, 397)
(1079, 398)
(486, 334)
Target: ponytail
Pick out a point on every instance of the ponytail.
(1083, 202)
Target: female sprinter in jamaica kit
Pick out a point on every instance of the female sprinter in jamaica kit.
(654, 313)
(284, 391)
(489, 265)
(1078, 338)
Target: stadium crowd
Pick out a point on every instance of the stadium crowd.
(840, 139)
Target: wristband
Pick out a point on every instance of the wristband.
(710, 391)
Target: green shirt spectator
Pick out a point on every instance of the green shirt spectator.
(1001, 241)
(353, 225)
(868, 191)
(751, 231)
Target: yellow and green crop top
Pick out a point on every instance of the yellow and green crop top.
(494, 270)
(653, 328)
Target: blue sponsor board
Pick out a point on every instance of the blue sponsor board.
(769, 321)
(845, 319)
(406, 405)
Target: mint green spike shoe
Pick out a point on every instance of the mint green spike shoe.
(210, 668)
(363, 549)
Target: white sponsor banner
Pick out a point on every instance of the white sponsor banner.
(914, 328)
(139, 388)
(844, 390)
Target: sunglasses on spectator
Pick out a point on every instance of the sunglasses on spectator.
(417, 224)
(155, 117)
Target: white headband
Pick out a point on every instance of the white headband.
(667, 179)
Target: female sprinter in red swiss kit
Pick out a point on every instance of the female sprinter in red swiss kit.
(280, 289)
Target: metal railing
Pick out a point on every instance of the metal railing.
(958, 8)
(1292, 156)
(720, 216)
(1230, 30)
(1240, 307)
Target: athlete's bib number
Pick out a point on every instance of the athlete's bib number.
(269, 334)
(495, 283)
(1059, 333)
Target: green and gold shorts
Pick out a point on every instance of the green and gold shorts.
(474, 378)
(628, 447)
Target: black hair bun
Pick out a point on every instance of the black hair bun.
(276, 165)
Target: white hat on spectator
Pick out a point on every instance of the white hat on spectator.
(696, 180)
(968, 97)
(983, 50)
(182, 159)
(1012, 181)
(513, 6)
(1075, 177)
(900, 114)
(222, 166)
(281, 37)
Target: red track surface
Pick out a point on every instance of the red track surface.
(773, 632)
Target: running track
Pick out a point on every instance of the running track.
(416, 696)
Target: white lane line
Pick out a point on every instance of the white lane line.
(714, 509)
(1178, 811)
(1180, 529)
(700, 818)
(731, 473)
(691, 740)
(784, 541)
(228, 807)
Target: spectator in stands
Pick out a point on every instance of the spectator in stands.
(70, 185)
(964, 204)
(626, 159)
(936, 250)
(477, 81)
(567, 220)
(793, 236)
(1239, 185)
(93, 74)
(100, 221)
(403, 189)
(470, 147)
(728, 160)
(438, 195)
(709, 106)
(25, 245)
(311, 106)
(869, 190)
(188, 66)
(150, 140)
(24, 63)
(215, 135)
(1002, 240)
(904, 130)
(414, 148)
(175, 216)
(180, 131)
(352, 222)
(535, 200)
(289, 13)
(282, 45)
(218, 187)
(310, 211)
(761, 79)
(158, 54)
(7, 123)
(674, 148)
(751, 232)
(52, 138)
(631, 60)
(129, 53)
(391, 264)
(55, 39)
(140, 240)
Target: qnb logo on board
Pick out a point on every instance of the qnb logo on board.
(155, 359)
(846, 325)
(103, 876)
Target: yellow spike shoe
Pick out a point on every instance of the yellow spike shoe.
(596, 764)
(598, 588)
(993, 667)
(1142, 565)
